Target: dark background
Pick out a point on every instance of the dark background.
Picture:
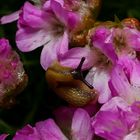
(37, 102)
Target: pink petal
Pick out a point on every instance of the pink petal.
(3, 136)
(33, 16)
(49, 54)
(102, 39)
(110, 125)
(114, 104)
(63, 117)
(53, 49)
(135, 73)
(66, 17)
(10, 18)
(122, 86)
(81, 126)
(47, 4)
(59, 11)
(99, 78)
(134, 135)
(136, 107)
(27, 133)
(28, 39)
(111, 121)
(133, 38)
(131, 68)
(5, 47)
(115, 120)
(63, 48)
(73, 57)
(48, 130)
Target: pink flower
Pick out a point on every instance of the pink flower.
(125, 79)
(3, 136)
(116, 120)
(48, 129)
(110, 44)
(52, 24)
(50, 28)
(63, 115)
(12, 75)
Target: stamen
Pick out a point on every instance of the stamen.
(77, 73)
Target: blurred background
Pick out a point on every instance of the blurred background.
(37, 101)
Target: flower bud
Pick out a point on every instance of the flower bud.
(12, 75)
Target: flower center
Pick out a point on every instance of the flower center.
(119, 40)
(58, 29)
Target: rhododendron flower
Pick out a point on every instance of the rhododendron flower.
(48, 129)
(116, 120)
(12, 75)
(110, 44)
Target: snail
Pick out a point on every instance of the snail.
(70, 84)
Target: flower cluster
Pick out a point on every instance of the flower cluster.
(72, 42)
(12, 75)
(51, 25)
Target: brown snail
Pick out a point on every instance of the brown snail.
(70, 85)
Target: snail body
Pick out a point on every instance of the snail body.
(68, 87)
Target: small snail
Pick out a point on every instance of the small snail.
(70, 85)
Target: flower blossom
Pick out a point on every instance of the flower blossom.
(3, 136)
(111, 42)
(48, 129)
(125, 79)
(116, 120)
(51, 24)
(12, 75)
(48, 27)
